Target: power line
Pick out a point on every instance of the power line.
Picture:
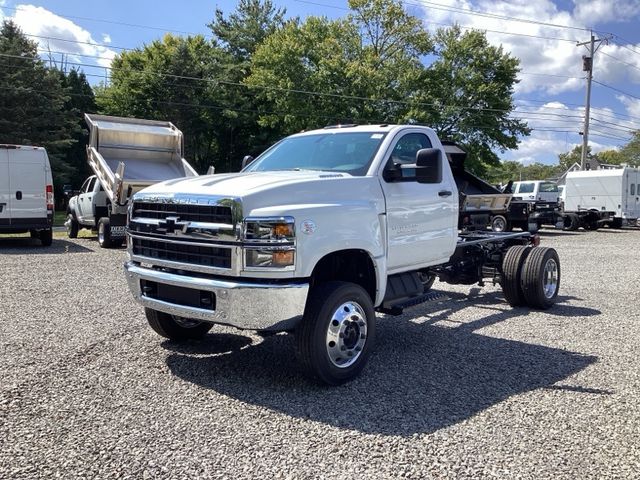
(465, 27)
(629, 42)
(616, 90)
(621, 61)
(303, 92)
(468, 11)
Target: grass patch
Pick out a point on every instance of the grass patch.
(59, 218)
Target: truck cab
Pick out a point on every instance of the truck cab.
(536, 191)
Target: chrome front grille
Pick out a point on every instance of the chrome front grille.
(201, 255)
(185, 211)
(186, 233)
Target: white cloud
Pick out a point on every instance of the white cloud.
(586, 11)
(106, 38)
(62, 35)
(556, 129)
(551, 60)
(632, 107)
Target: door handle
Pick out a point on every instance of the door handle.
(444, 193)
(18, 195)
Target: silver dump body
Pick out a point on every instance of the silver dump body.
(476, 195)
(129, 154)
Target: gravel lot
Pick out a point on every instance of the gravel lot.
(466, 388)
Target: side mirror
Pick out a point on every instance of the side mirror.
(429, 165)
(246, 161)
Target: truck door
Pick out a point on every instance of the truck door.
(422, 219)
(27, 181)
(634, 200)
(5, 188)
(85, 199)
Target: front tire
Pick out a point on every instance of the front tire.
(499, 223)
(336, 335)
(104, 233)
(541, 277)
(72, 226)
(176, 328)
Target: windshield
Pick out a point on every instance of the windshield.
(349, 152)
(548, 187)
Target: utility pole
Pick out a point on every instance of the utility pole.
(587, 66)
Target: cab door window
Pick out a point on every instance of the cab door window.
(404, 153)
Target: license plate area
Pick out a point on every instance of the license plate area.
(117, 231)
(188, 297)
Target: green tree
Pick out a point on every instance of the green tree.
(81, 100)
(370, 67)
(466, 95)
(239, 35)
(612, 157)
(34, 102)
(245, 29)
(171, 79)
(357, 69)
(631, 151)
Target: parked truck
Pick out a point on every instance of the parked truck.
(314, 236)
(594, 198)
(481, 204)
(126, 155)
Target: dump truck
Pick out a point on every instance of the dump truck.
(126, 155)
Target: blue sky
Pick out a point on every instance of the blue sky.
(550, 93)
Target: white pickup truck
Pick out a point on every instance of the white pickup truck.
(315, 235)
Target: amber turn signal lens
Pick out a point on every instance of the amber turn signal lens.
(282, 259)
(283, 230)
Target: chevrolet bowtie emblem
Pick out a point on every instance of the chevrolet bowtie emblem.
(173, 224)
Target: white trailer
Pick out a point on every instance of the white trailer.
(614, 194)
(127, 155)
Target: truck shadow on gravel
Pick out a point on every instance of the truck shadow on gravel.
(29, 246)
(421, 378)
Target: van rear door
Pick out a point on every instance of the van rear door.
(27, 180)
(5, 191)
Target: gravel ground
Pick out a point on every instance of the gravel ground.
(466, 388)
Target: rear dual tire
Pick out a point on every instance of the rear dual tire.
(531, 276)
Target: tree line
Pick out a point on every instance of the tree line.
(261, 76)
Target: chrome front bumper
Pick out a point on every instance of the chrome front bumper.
(250, 306)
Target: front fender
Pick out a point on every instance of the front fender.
(326, 230)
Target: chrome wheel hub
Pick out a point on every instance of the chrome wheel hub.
(346, 334)
(550, 278)
(101, 233)
(498, 224)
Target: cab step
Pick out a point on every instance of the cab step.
(398, 307)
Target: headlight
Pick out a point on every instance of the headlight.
(269, 242)
(269, 229)
(274, 258)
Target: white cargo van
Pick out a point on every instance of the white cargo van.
(614, 191)
(26, 192)
(536, 191)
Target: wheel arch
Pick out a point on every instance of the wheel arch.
(351, 265)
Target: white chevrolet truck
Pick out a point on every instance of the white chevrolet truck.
(313, 237)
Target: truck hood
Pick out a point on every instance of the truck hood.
(276, 192)
(238, 184)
